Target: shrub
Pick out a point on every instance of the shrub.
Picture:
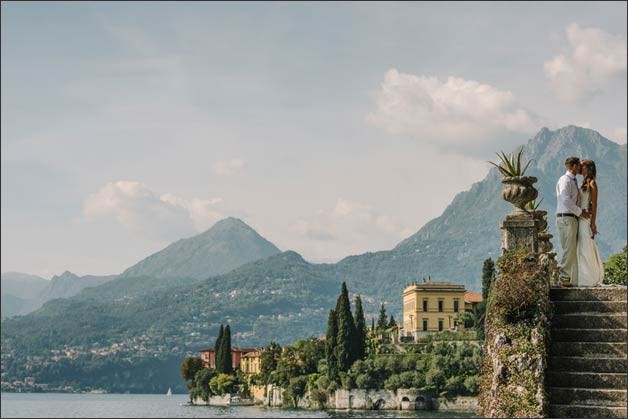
(516, 293)
(615, 271)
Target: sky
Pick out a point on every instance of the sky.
(331, 128)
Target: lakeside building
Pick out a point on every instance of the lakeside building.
(251, 363)
(431, 306)
(246, 359)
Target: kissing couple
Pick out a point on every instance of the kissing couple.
(576, 212)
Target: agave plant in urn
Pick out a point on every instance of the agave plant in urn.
(519, 190)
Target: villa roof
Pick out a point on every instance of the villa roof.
(472, 297)
(252, 354)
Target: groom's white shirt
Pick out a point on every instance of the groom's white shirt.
(567, 195)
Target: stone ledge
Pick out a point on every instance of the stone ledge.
(587, 396)
(587, 379)
(590, 349)
(584, 364)
(584, 411)
(588, 335)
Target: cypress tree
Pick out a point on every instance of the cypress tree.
(479, 311)
(330, 346)
(382, 321)
(226, 351)
(373, 325)
(346, 331)
(488, 272)
(392, 322)
(360, 329)
(218, 350)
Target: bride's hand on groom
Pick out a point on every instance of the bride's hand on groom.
(585, 214)
(594, 230)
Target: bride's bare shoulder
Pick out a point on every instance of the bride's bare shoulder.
(593, 184)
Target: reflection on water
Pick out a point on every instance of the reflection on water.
(38, 405)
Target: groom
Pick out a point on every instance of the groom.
(567, 212)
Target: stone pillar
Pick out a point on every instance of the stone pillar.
(520, 230)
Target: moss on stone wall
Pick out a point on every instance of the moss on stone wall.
(517, 329)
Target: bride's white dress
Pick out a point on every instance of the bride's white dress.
(590, 267)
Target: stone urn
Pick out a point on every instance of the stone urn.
(519, 191)
(545, 245)
(542, 219)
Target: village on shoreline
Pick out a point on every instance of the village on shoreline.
(430, 360)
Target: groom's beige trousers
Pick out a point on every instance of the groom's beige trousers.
(568, 234)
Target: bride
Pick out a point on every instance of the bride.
(590, 268)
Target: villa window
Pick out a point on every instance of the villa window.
(440, 325)
(425, 325)
(440, 305)
(425, 305)
(456, 305)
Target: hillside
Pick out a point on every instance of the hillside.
(146, 313)
(23, 293)
(226, 245)
(452, 246)
(280, 298)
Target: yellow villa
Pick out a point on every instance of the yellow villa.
(434, 306)
(251, 363)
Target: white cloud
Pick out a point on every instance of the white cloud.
(455, 114)
(138, 208)
(593, 59)
(348, 228)
(228, 167)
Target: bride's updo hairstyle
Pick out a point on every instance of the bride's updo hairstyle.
(591, 172)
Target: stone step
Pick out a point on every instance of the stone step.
(590, 349)
(588, 335)
(584, 411)
(586, 379)
(584, 364)
(586, 320)
(587, 396)
(588, 294)
(566, 307)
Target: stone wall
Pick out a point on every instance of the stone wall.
(467, 404)
(404, 399)
(213, 401)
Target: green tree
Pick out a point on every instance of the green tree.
(382, 320)
(346, 331)
(201, 382)
(222, 384)
(392, 322)
(479, 310)
(218, 359)
(615, 271)
(360, 329)
(330, 346)
(488, 274)
(373, 325)
(225, 348)
(269, 359)
(190, 366)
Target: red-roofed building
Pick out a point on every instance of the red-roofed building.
(208, 356)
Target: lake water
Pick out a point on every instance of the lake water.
(38, 405)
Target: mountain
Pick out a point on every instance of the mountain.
(226, 245)
(283, 297)
(68, 284)
(22, 285)
(279, 298)
(453, 246)
(23, 293)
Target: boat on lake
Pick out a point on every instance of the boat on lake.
(169, 393)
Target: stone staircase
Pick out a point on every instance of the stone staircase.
(586, 374)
